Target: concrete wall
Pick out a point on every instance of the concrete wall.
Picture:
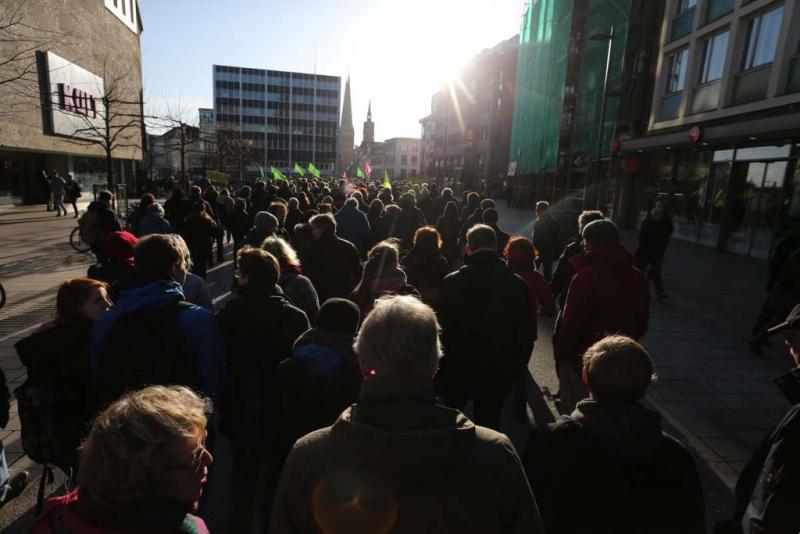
(91, 37)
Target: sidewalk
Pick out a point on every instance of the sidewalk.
(710, 387)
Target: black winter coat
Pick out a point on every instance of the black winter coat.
(485, 313)
(654, 237)
(635, 479)
(260, 328)
(546, 237)
(565, 271)
(333, 265)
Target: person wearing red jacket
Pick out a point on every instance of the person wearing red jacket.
(521, 256)
(608, 295)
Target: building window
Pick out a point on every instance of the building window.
(678, 63)
(685, 5)
(762, 39)
(714, 53)
(403, 160)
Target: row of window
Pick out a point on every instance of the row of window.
(759, 51)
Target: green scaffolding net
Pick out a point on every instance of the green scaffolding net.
(541, 68)
(602, 15)
(545, 39)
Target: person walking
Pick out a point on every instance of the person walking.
(641, 479)
(564, 270)
(449, 227)
(654, 237)
(72, 192)
(98, 222)
(396, 461)
(259, 327)
(382, 275)
(154, 221)
(607, 294)
(485, 311)
(57, 188)
(425, 265)
(352, 225)
(199, 230)
(331, 263)
(298, 288)
(546, 239)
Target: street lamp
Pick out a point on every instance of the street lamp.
(609, 38)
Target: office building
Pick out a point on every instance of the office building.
(401, 157)
(275, 118)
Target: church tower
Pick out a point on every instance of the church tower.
(345, 155)
(369, 128)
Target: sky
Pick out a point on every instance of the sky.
(398, 53)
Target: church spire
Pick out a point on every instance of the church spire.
(369, 112)
(346, 122)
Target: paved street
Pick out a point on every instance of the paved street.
(712, 393)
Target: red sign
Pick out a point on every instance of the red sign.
(76, 101)
(694, 134)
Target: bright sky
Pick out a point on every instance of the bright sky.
(398, 52)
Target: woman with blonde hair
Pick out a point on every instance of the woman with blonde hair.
(143, 468)
(297, 288)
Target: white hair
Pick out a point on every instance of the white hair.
(399, 336)
(282, 251)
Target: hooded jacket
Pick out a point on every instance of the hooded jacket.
(312, 387)
(607, 295)
(199, 334)
(635, 478)
(398, 462)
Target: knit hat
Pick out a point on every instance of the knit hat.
(339, 315)
(118, 248)
(264, 221)
(601, 233)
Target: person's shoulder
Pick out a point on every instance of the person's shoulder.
(492, 446)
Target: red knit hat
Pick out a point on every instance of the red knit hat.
(118, 247)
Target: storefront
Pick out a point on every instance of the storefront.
(737, 199)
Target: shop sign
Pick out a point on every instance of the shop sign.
(76, 97)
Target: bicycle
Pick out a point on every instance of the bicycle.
(77, 243)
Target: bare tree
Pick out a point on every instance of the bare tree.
(183, 135)
(19, 41)
(116, 121)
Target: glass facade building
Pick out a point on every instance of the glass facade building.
(276, 118)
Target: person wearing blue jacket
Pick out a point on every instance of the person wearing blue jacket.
(149, 318)
(352, 225)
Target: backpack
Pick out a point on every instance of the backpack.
(89, 227)
(143, 348)
(42, 438)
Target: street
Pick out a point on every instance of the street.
(712, 393)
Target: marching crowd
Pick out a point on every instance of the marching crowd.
(364, 321)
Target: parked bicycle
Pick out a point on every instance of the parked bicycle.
(76, 242)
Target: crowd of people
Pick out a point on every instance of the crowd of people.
(364, 321)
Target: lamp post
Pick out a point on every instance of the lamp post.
(608, 37)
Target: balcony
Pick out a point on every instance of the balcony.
(682, 25)
(717, 8)
(751, 85)
(706, 97)
(670, 105)
(793, 84)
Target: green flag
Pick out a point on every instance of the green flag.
(299, 170)
(360, 173)
(313, 171)
(261, 170)
(277, 174)
(387, 183)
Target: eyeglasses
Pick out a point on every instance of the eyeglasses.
(197, 461)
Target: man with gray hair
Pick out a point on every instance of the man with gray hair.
(488, 336)
(396, 461)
